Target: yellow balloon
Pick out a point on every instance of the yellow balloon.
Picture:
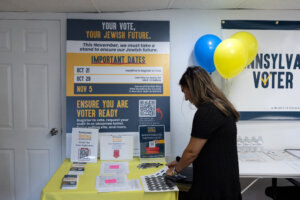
(250, 43)
(230, 58)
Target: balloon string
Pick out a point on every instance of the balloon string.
(230, 87)
(227, 87)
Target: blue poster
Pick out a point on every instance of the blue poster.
(118, 74)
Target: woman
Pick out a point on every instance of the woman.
(212, 147)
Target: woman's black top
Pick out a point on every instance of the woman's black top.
(215, 170)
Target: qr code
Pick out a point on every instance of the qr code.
(84, 153)
(147, 108)
(151, 143)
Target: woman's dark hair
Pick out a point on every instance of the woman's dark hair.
(202, 89)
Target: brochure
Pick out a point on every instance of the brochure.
(116, 147)
(68, 185)
(152, 142)
(69, 177)
(84, 145)
(69, 182)
(78, 164)
(76, 171)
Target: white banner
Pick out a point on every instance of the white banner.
(269, 88)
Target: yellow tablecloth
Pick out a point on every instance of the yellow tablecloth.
(86, 185)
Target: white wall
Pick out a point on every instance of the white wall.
(186, 26)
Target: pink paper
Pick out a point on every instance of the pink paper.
(114, 167)
(111, 181)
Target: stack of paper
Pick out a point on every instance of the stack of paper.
(111, 183)
(78, 164)
(76, 170)
(69, 182)
(116, 183)
(114, 168)
(113, 178)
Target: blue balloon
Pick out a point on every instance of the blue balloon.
(204, 51)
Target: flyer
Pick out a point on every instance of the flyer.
(107, 168)
(84, 147)
(116, 147)
(152, 142)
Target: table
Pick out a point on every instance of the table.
(265, 168)
(86, 185)
(284, 167)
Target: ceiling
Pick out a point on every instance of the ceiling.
(99, 6)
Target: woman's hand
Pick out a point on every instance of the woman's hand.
(169, 172)
(172, 164)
